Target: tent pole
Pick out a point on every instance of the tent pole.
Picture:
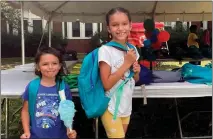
(22, 34)
(154, 10)
(62, 26)
(144, 16)
(167, 47)
(183, 16)
(50, 20)
(49, 31)
(44, 29)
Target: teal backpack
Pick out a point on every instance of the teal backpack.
(33, 90)
(197, 74)
(91, 91)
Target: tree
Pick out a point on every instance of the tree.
(11, 15)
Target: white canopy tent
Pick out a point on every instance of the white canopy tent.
(94, 11)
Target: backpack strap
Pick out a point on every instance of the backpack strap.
(118, 94)
(60, 84)
(33, 90)
(119, 46)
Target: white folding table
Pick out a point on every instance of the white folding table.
(14, 81)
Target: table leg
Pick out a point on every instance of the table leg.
(2, 103)
(96, 128)
(178, 118)
(151, 65)
(6, 116)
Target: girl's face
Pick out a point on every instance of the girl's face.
(49, 65)
(119, 27)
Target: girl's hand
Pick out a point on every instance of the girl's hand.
(25, 136)
(136, 67)
(123, 77)
(71, 134)
(130, 57)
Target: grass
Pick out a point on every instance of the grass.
(15, 128)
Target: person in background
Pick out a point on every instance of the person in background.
(193, 40)
(206, 38)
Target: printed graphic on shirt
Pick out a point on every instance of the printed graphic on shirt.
(118, 64)
(46, 110)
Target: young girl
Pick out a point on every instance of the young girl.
(46, 122)
(114, 67)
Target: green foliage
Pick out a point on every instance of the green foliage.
(11, 15)
(95, 40)
(32, 42)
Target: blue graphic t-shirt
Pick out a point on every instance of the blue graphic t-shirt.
(47, 123)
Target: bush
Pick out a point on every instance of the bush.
(11, 44)
(95, 40)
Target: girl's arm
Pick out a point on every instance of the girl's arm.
(136, 69)
(25, 118)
